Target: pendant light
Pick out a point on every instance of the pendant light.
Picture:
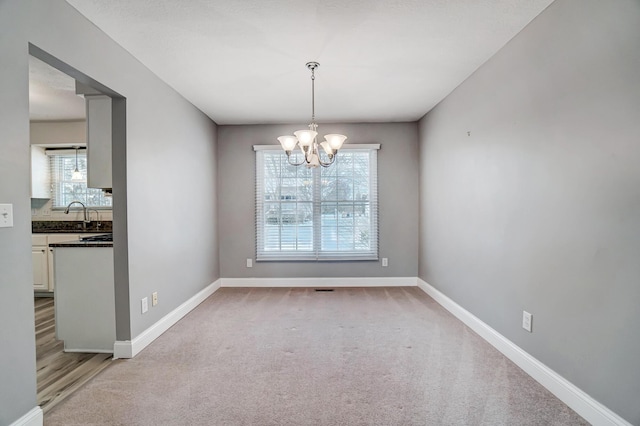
(77, 175)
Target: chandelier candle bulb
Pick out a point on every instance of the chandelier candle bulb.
(327, 148)
(335, 141)
(305, 137)
(288, 142)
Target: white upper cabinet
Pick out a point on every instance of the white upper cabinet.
(99, 135)
(40, 176)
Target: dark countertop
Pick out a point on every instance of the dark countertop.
(99, 240)
(69, 227)
(83, 244)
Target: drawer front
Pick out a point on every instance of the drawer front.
(62, 238)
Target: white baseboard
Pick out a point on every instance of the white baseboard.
(321, 282)
(33, 418)
(89, 350)
(130, 348)
(583, 404)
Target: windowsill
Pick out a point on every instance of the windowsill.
(76, 209)
(318, 259)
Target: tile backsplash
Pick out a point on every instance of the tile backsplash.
(42, 210)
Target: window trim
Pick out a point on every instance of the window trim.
(52, 153)
(318, 255)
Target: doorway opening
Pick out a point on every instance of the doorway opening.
(58, 98)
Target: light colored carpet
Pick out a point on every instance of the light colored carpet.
(361, 356)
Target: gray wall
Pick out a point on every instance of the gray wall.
(397, 192)
(538, 209)
(166, 201)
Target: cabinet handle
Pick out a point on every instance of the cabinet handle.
(43, 250)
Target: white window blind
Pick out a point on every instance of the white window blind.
(317, 214)
(64, 189)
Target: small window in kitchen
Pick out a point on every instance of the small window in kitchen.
(65, 188)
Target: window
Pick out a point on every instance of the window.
(317, 214)
(65, 190)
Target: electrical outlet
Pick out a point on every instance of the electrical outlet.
(527, 320)
(154, 298)
(145, 304)
(249, 263)
(385, 262)
(46, 212)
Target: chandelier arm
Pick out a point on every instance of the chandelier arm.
(323, 164)
(295, 164)
(332, 159)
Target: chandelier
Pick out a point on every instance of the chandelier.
(307, 139)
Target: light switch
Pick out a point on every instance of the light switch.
(6, 215)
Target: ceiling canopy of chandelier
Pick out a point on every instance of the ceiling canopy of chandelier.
(307, 139)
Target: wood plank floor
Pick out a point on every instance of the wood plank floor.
(59, 373)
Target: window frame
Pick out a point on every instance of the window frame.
(316, 253)
(56, 182)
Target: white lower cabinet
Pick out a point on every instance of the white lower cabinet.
(39, 257)
(42, 258)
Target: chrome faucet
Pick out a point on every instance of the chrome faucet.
(98, 223)
(84, 208)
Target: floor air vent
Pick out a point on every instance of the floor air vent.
(323, 289)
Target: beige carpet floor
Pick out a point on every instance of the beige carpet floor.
(361, 356)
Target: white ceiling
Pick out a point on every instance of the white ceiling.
(243, 61)
(52, 94)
